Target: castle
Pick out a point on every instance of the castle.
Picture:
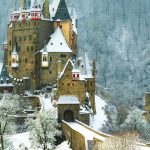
(41, 49)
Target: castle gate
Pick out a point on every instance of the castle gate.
(69, 116)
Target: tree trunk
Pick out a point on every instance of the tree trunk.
(2, 139)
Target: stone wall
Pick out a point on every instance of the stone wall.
(75, 138)
(50, 73)
(30, 37)
(62, 108)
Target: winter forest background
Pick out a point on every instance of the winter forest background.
(117, 34)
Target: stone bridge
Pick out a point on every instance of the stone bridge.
(81, 136)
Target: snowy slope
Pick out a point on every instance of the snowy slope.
(99, 119)
(22, 141)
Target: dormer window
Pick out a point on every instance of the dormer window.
(45, 60)
(75, 76)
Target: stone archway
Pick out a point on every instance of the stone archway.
(69, 116)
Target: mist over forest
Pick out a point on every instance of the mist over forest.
(117, 34)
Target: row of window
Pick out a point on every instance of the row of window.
(28, 24)
(24, 38)
(50, 58)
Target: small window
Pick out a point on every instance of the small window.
(50, 59)
(27, 48)
(20, 60)
(53, 9)
(30, 37)
(26, 60)
(51, 43)
(10, 52)
(91, 83)
(60, 26)
(32, 48)
(9, 63)
(10, 42)
(50, 72)
(44, 58)
(19, 38)
(60, 43)
(63, 55)
(24, 38)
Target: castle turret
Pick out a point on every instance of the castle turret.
(15, 15)
(5, 48)
(35, 13)
(45, 11)
(45, 58)
(15, 57)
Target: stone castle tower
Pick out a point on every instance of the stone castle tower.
(28, 31)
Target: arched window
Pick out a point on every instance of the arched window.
(13, 60)
(44, 58)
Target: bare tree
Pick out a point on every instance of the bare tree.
(125, 141)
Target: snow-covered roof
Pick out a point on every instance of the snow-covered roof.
(69, 61)
(5, 42)
(68, 100)
(15, 50)
(76, 70)
(53, 7)
(72, 13)
(85, 67)
(35, 10)
(16, 12)
(57, 43)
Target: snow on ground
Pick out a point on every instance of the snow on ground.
(63, 146)
(46, 101)
(100, 117)
(143, 148)
(20, 141)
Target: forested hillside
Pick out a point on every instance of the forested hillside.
(117, 34)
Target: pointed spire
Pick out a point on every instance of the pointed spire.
(21, 3)
(15, 49)
(4, 72)
(45, 10)
(62, 11)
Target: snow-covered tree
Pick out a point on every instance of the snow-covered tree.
(43, 129)
(136, 122)
(9, 105)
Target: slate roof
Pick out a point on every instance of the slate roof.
(62, 12)
(57, 43)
